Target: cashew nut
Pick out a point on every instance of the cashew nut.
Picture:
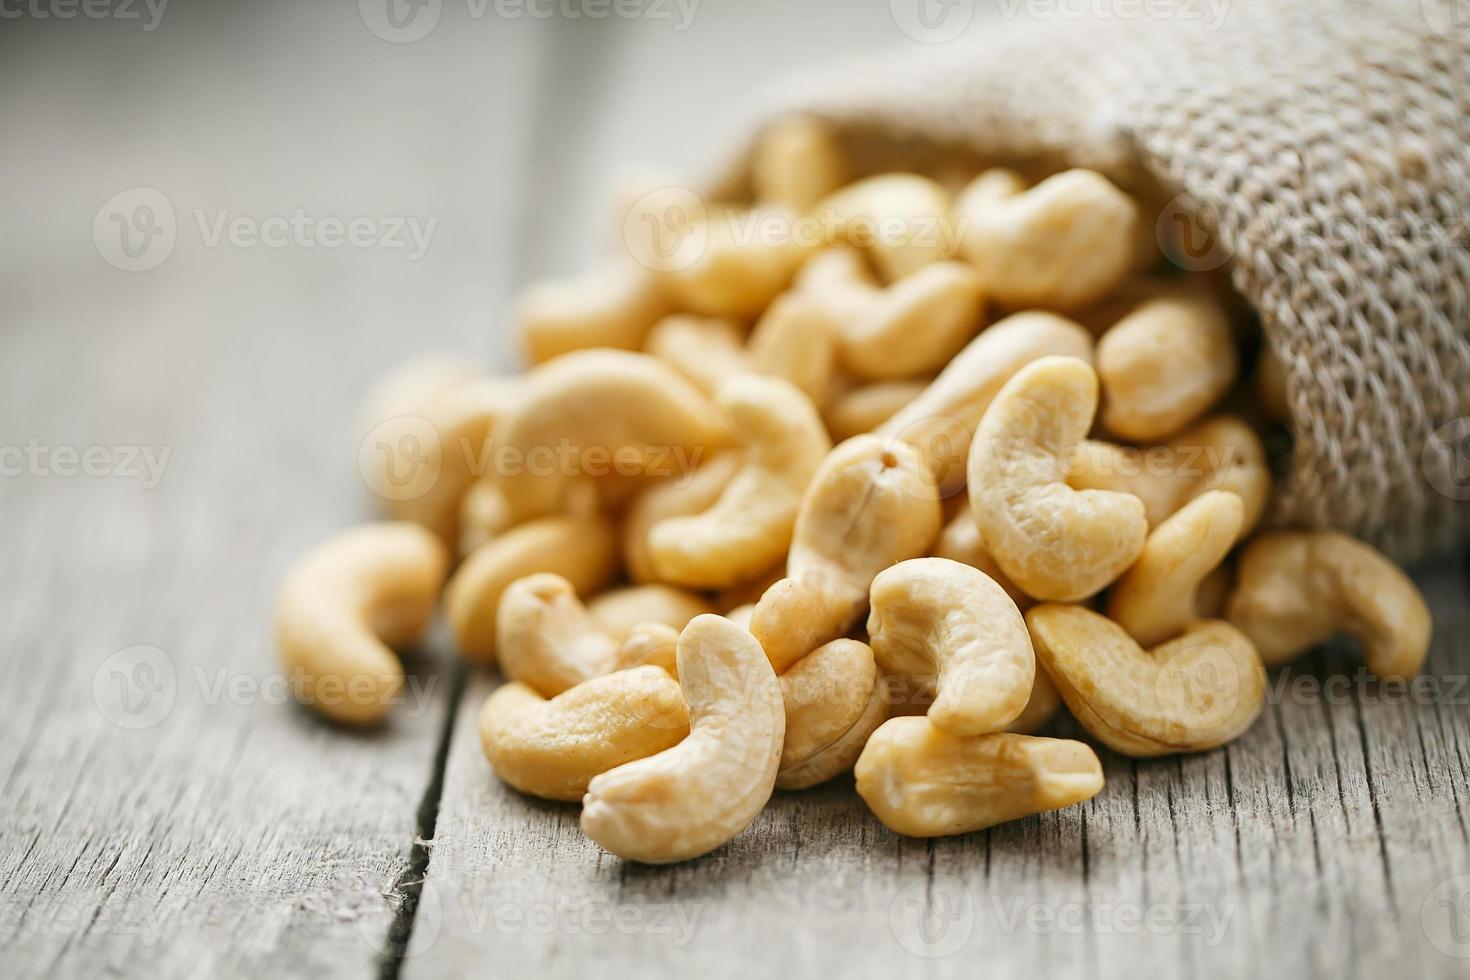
(1158, 596)
(871, 504)
(1053, 541)
(554, 748)
(582, 549)
(735, 262)
(922, 781)
(675, 497)
(409, 387)
(749, 527)
(912, 326)
(706, 350)
(1165, 363)
(619, 611)
(950, 627)
(797, 162)
(1064, 243)
(833, 703)
(482, 514)
(902, 220)
(960, 541)
(630, 411)
(1221, 453)
(342, 606)
(690, 799)
(612, 306)
(795, 339)
(864, 408)
(1193, 693)
(942, 421)
(1295, 590)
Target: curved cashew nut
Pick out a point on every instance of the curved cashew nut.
(913, 326)
(706, 350)
(1221, 453)
(960, 541)
(749, 528)
(863, 409)
(1064, 243)
(871, 504)
(612, 306)
(554, 748)
(796, 339)
(1158, 597)
(922, 781)
(694, 797)
(632, 409)
(735, 262)
(1052, 541)
(1295, 590)
(951, 627)
(482, 515)
(942, 421)
(581, 549)
(1190, 694)
(902, 220)
(343, 604)
(1165, 363)
(417, 382)
(796, 163)
(618, 612)
(422, 463)
(1041, 707)
(676, 497)
(833, 702)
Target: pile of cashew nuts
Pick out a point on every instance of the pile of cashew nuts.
(884, 499)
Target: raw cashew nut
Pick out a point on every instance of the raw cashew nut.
(414, 384)
(618, 612)
(343, 605)
(605, 408)
(1157, 598)
(694, 797)
(1041, 707)
(612, 306)
(833, 703)
(1064, 243)
(678, 496)
(922, 781)
(863, 409)
(653, 644)
(942, 421)
(950, 627)
(423, 462)
(706, 350)
(1295, 590)
(914, 326)
(482, 515)
(960, 541)
(902, 220)
(749, 528)
(554, 748)
(582, 549)
(1221, 453)
(1052, 541)
(1190, 694)
(1165, 363)
(796, 339)
(734, 263)
(797, 163)
(871, 504)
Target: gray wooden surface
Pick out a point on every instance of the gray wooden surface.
(164, 814)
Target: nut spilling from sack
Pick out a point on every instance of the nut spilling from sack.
(873, 475)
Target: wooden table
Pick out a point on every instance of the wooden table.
(167, 813)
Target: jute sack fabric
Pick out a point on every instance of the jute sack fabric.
(1325, 148)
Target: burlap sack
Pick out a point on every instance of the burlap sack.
(1326, 145)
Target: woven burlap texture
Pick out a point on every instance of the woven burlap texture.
(1327, 147)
